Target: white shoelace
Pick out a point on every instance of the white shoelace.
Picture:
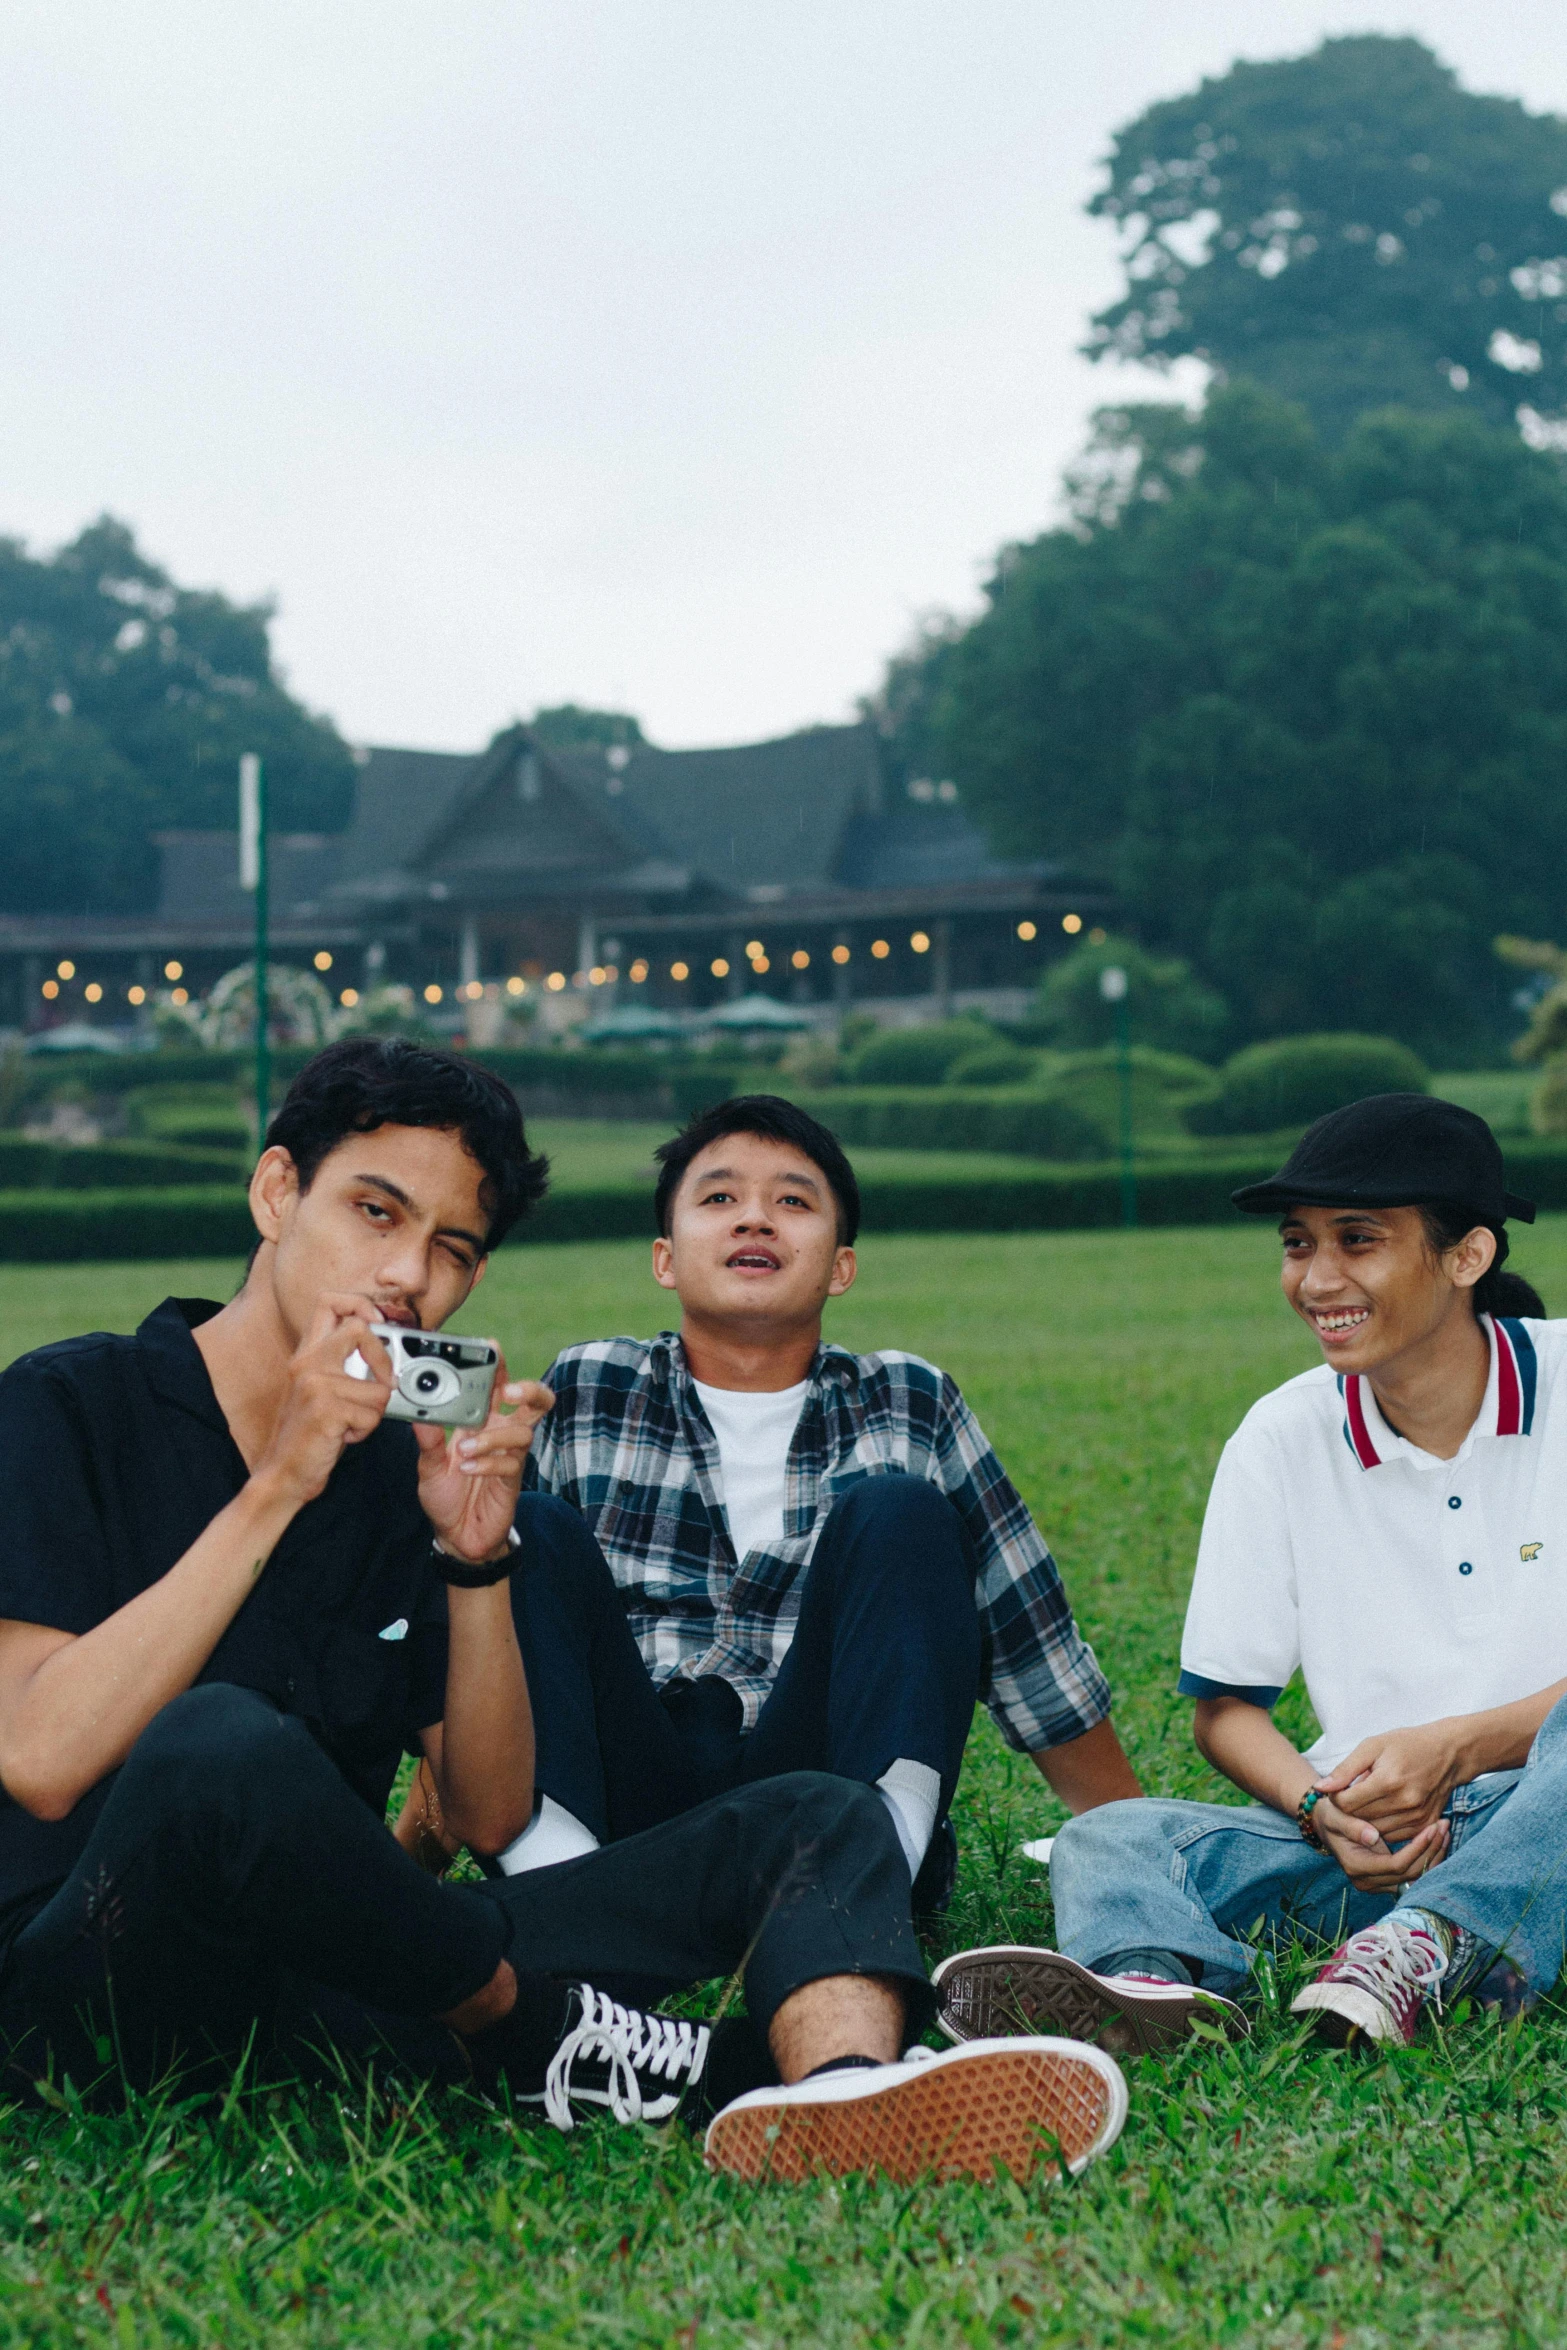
(1388, 1957)
(631, 2044)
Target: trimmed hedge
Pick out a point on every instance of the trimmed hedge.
(41, 1227)
(113, 1166)
(584, 1083)
(1028, 1124)
(1291, 1080)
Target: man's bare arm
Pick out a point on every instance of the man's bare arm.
(1244, 1743)
(72, 1707)
(1090, 1770)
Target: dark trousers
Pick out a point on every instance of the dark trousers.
(884, 1662)
(236, 1890)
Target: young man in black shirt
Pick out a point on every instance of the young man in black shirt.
(232, 1592)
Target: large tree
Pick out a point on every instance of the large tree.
(125, 703)
(1307, 705)
(1350, 228)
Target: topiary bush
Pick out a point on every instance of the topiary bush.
(955, 1118)
(917, 1056)
(1293, 1079)
(994, 1064)
(1164, 1087)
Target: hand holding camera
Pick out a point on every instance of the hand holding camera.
(469, 1482)
(324, 1406)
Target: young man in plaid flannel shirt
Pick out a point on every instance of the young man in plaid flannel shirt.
(747, 1551)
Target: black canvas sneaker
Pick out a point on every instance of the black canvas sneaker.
(620, 2060)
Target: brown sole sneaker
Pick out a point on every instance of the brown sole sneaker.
(967, 2113)
(1008, 1988)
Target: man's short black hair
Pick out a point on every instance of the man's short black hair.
(363, 1082)
(775, 1120)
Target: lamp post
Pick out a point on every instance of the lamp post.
(1113, 987)
(253, 876)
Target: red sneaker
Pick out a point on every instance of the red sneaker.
(1375, 1986)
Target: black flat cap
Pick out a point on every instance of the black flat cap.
(1393, 1150)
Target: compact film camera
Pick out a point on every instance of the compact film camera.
(447, 1380)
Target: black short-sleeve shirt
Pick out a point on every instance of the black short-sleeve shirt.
(114, 1456)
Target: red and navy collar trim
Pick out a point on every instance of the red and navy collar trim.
(1517, 1377)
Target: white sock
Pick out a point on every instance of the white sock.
(553, 1834)
(911, 1792)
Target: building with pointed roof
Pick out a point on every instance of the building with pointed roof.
(793, 868)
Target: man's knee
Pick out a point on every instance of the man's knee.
(910, 1522)
(1110, 1842)
(819, 1803)
(213, 1738)
(557, 1544)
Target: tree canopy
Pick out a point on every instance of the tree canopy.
(1305, 704)
(1350, 228)
(125, 703)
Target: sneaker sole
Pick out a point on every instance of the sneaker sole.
(1011, 1989)
(1347, 2018)
(999, 2108)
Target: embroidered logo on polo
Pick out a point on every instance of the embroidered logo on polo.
(1517, 1377)
(1529, 1550)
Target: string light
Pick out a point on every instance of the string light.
(93, 992)
(800, 959)
(840, 954)
(323, 961)
(679, 970)
(1027, 930)
(880, 949)
(432, 994)
(516, 986)
(136, 995)
(349, 997)
(555, 982)
(719, 968)
(759, 964)
(68, 970)
(180, 996)
(1072, 924)
(638, 972)
(754, 947)
(597, 976)
(920, 943)
(51, 988)
(170, 970)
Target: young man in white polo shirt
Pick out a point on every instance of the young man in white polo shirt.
(1394, 1524)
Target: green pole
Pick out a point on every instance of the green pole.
(253, 876)
(1123, 1054)
(1113, 987)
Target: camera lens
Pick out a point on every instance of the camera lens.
(429, 1384)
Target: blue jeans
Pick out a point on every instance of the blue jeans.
(1197, 1879)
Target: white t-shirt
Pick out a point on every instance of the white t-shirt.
(1404, 1587)
(754, 1434)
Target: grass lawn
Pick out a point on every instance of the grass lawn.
(1275, 2193)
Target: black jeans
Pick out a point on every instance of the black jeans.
(885, 1662)
(235, 1889)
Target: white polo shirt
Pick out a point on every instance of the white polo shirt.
(1404, 1587)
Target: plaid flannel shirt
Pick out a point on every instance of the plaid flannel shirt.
(630, 1447)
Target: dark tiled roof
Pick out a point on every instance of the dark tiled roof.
(911, 847)
(767, 815)
(200, 875)
(402, 797)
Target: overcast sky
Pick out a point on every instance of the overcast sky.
(670, 354)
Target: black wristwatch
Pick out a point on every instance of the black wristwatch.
(480, 1577)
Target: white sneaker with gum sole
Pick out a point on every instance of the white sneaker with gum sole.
(963, 2113)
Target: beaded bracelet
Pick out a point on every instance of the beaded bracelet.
(1303, 1811)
